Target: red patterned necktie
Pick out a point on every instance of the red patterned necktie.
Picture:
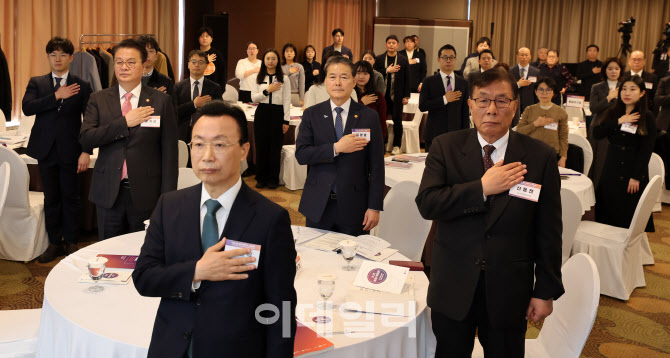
(125, 108)
(488, 162)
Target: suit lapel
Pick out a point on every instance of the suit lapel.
(190, 217)
(114, 102)
(328, 120)
(471, 152)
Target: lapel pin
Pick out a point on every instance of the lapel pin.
(147, 100)
(355, 115)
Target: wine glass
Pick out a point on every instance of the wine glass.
(96, 268)
(326, 287)
(348, 248)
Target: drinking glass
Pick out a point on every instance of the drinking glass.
(348, 248)
(326, 287)
(96, 268)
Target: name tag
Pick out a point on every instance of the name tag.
(255, 250)
(575, 101)
(418, 60)
(526, 190)
(361, 133)
(152, 122)
(627, 127)
(532, 79)
(649, 85)
(553, 126)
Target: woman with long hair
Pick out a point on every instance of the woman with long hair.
(295, 73)
(311, 66)
(245, 71)
(272, 92)
(367, 94)
(630, 128)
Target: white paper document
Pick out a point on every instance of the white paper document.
(328, 242)
(367, 300)
(381, 277)
(303, 234)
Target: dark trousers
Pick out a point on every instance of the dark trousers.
(456, 338)
(395, 110)
(244, 96)
(61, 198)
(122, 218)
(330, 221)
(269, 139)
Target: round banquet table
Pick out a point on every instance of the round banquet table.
(118, 322)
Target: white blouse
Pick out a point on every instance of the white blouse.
(279, 97)
(243, 66)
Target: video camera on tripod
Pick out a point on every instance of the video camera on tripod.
(626, 29)
(660, 62)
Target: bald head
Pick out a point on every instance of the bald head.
(636, 61)
(523, 56)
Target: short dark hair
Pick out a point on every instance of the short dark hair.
(60, 44)
(286, 47)
(252, 42)
(486, 78)
(555, 51)
(334, 60)
(547, 81)
(593, 45)
(336, 31)
(218, 108)
(199, 53)
(324, 60)
(145, 40)
(391, 37)
(408, 38)
(206, 29)
(502, 65)
(607, 63)
(415, 37)
(446, 47)
(134, 44)
(485, 51)
(482, 40)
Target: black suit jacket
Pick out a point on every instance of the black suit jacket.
(662, 100)
(526, 94)
(158, 80)
(442, 118)
(359, 175)
(55, 129)
(585, 73)
(150, 153)
(345, 51)
(650, 78)
(417, 71)
(185, 107)
(220, 316)
(513, 239)
(402, 77)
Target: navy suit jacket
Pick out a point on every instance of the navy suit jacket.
(345, 51)
(220, 316)
(184, 103)
(359, 175)
(526, 94)
(443, 118)
(54, 128)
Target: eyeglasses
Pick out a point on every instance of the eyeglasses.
(130, 63)
(545, 90)
(194, 62)
(217, 147)
(485, 102)
(448, 58)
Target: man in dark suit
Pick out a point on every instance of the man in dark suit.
(416, 46)
(417, 64)
(193, 93)
(442, 96)
(484, 43)
(526, 78)
(151, 77)
(338, 40)
(542, 55)
(344, 190)
(58, 99)
(208, 296)
(588, 71)
(396, 75)
(490, 245)
(636, 63)
(135, 128)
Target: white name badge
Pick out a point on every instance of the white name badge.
(575, 101)
(255, 250)
(552, 126)
(649, 85)
(361, 133)
(627, 127)
(152, 122)
(526, 190)
(532, 79)
(418, 60)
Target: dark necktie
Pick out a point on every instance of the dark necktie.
(210, 228)
(339, 128)
(448, 88)
(196, 91)
(58, 79)
(522, 73)
(488, 162)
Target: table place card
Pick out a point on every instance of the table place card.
(255, 250)
(381, 277)
(575, 101)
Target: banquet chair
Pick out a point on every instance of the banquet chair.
(26, 125)
(657, 167)
(620, 252)
(410, 134)
(23, 236)
(186, 178)
(183, 153)
(574, 112)
(291, 173)
(401, 223)
(18, 333)
(565, 331)
(572, 216)
(230, 95)
(578, 140)
(4, 184)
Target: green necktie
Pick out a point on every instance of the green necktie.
(210, 229)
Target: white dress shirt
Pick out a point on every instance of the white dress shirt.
(525, 71)
(243, 66)
(345, 106)
(63, 78)
(501, 147)
(135, 99)
(444, 83)
(281, 96)
(638, 73)
(200, 83)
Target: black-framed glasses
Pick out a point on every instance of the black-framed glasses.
(485, 102)
(448, 58)
(130, 63)
(217, 147)
(545, 90)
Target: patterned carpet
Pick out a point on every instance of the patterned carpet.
(633, 329)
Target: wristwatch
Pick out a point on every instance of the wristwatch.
(265, 93)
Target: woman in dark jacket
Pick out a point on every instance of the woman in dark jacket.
(312, 68)
(367, 95)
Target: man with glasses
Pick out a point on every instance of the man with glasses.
(442, 96)
(135, 128)
(57, 100)
(636, 63)
(526, 78)
(193, 92)
(495, 194)
(216, 301)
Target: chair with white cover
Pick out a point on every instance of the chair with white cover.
(401, 223)
(3, 125)
(186, 178)
(183, 154)
(657, 167)
(410, 134)
(619, 252)
(23, 236)
(565, 331)
(4, 184)
(291, 173)
(580, 141)
(574, 112)
(230, 95)
(572, 216)
(26, 125)
(18, 333)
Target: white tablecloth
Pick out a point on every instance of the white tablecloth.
(580, 184)
(118, 321)
(412, 104)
